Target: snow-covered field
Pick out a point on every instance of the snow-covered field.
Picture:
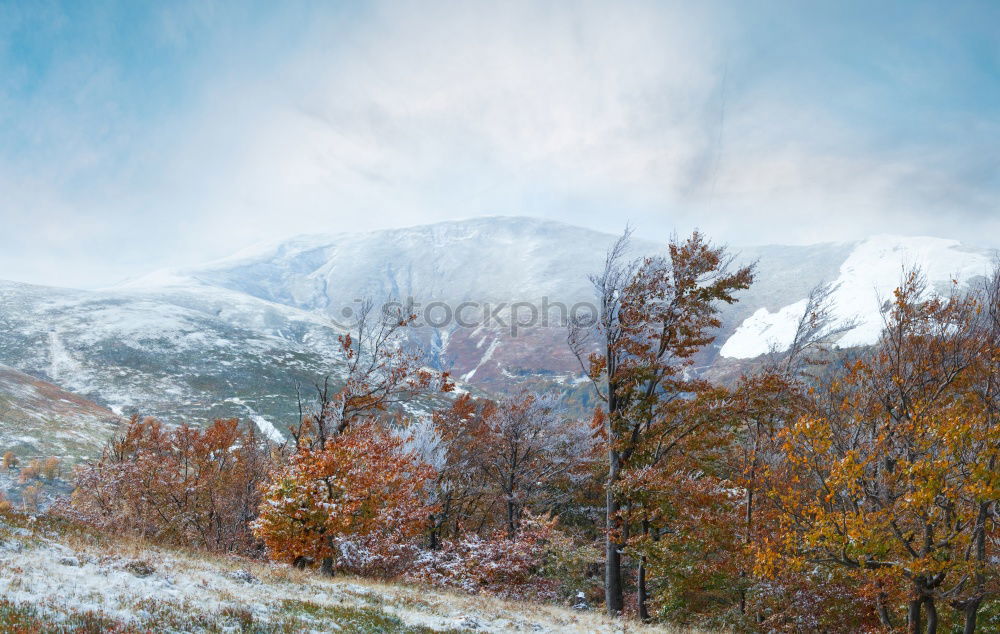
(50, 577)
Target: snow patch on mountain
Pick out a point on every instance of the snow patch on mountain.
(61, 362)
(764, 331)
(865, 282)
(486, 357)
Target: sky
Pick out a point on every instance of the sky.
(141, 135)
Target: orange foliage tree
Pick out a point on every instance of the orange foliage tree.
(656, 315)
(461, 487)
(180, 485)
(505, 457)
(352, 495)
(352, 504)
(380, 374)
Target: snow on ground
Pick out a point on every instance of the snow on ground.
(486, 357)
(867, 279)
(267, 429)
(155, 589)
(264, 426)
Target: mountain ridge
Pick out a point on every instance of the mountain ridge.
(236, 336)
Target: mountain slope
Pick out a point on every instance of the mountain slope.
(190, 353)
(41, 419)
(863, 283)
(502, 258)
(506, 260)
(236, 336)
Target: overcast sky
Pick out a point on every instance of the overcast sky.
(137, 135)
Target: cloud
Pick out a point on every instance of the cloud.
(758, 125)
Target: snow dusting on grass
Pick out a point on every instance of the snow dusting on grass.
(55, 577)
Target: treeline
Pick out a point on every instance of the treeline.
(825, 490)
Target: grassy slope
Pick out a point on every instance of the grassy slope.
(57, 578)
(41, 419)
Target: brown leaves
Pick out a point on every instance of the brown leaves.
(884, 477)
(182, 485)
(361, 487)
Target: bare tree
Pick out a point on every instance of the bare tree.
(610, 286)
(380, 374)
(817, 330)
(528, 445)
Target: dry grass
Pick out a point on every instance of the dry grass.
(127, 585)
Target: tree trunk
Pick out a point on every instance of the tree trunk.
(932, 616)
(511, 517)
(747, 536)
(883, 612)
(613, 597)
(971, 607)
(913, 616)
(435, 527)
(641, 594)
(971, 614)
(327, 567)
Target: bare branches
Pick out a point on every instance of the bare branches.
(585, 340)
(818, 328)
(380, 374)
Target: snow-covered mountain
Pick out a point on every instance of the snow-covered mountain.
(509, 260)
(492, 262)
(501, 258)
(190, 353)
(862, 284)
(234, 337)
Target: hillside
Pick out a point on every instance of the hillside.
(183, 354)
(54, 579)
(41, 419)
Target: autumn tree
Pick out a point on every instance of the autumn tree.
(888, 478)
(461, 487)
(181, 485)
(981, 458)
(380, 374)
(766, 400)
(517, 449)
(361, 489)
(655, 315)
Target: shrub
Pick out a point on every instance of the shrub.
(497, 564)
(30, 496)
(30, 472)
(182, 486)
(50, 468)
